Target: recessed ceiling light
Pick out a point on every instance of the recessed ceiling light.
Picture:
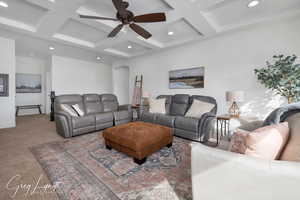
(51, 48)
(53, 1)
(252, 4)
(170, 33)
(129, 47)
(98, 58)
(3, 4)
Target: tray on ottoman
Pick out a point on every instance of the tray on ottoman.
(138, 139)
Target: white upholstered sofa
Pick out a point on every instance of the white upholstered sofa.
(223, 175)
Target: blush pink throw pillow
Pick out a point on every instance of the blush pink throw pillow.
(266, 142)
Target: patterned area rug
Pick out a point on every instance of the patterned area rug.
(84, 169)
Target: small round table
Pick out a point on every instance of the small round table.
(227, 124)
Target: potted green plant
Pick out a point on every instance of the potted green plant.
(283, 77)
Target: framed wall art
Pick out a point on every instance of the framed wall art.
(28, 83)
(187, 78)
(4, 89)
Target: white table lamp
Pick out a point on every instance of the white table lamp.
(235, 97)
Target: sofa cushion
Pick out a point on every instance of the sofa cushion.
(157, 106)
(186, 123)
(84, 121)
(198, 108)
(291, 152)
(165, 120)
(104, 117)
(109, 102)
(92, 103)
(70, 99)
(180, 104)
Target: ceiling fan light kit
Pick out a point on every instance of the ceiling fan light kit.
(127, 17)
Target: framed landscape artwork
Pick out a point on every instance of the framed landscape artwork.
(187, 78)
(3, 85)
(28, 83)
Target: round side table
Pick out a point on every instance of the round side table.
(227, 124)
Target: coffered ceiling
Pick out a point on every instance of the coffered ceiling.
(56, 22)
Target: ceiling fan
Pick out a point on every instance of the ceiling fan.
(127, 17)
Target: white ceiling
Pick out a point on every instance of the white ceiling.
(36, 24)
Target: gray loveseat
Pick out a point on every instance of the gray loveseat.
(176, 107)
(100, 112)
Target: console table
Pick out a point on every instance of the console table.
(28, 107)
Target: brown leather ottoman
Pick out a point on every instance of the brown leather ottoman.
(138, 139)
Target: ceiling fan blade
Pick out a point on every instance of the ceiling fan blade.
(96, 17)
(118, 4)
(116, 31)
(148, 18)
(141, 31)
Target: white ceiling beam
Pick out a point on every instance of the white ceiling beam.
(131, 37)
(109, 42)
(193, 15)
(57, 17)
(172, 16)
(17, 24)
(51, 23)
(150, 43)
(43, 3)
(85, 11)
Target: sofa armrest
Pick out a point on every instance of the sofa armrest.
(206, 125)
(237, 176)
(63, 123)
(125, 107)
(251, 126)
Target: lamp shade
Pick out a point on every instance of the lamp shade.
(235, 96)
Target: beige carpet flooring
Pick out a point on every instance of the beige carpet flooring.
(18, 164)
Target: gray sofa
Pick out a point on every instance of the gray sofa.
(176, 107)
(100, 112)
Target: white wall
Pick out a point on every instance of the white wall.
(121, 84)
(30, 65)
(7, 66)
(72, 76)
(229, 62)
